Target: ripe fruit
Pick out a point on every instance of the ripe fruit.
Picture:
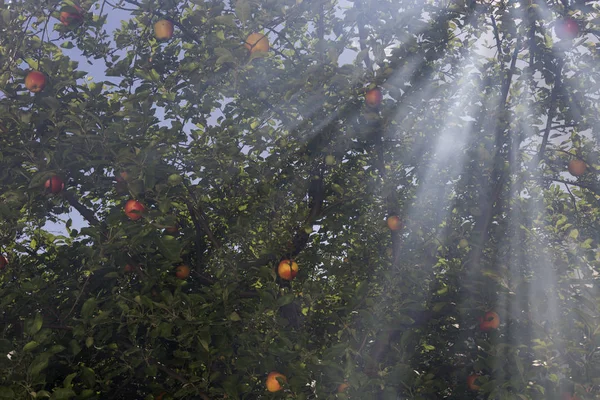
(272, 384)
(172, 229)
(182, 272)
(163, 30)
(330, 159)
(287, 269)
(566, 28)
(122, 177)
(54, 184)
(471, 382)
(35, 81)
(129, 268)
(577, 167)
(373, 97)
(394, 223)
(342, 388)
(3, 262)
(71, 15)
(569, 396)
(257, 42)
(160, 396)
(489, 321)
(134, 209)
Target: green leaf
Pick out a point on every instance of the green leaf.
(62, 394)
(7, 393)
(69, 379)
(284, 300)
(32, 326)
(88, 308)
(39, 364)
(88, 377)
(242, 10)
(30, 346)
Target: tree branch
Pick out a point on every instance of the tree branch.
(84, 211)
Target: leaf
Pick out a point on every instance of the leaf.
(69, 379)
(285, 300)
(30, 346)
(242, 10)
(88, 308)
(33, 326)
(88, 377)
(6, 393)
(39, 364)
(62, 394)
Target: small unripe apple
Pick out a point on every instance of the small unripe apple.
(257, 42)
(54, 185)
(35, 81)
(174, 179)
(463, 243)
(330, 159)
(374, 97)
(163, 29)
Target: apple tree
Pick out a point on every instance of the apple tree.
(430, 167)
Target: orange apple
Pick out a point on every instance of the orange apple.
(54, 185)
(134, 209)
(182, 272)
(394, 222)
(577, 167)
(489, 321)
(374, 97)
(288, 269)
(342, 387)
(272, 383)
(71, 15)
(163, 29)
(35, 81)
(129, 268)
(471, 382)
(122, 177)
(3, 262)
(172, 230)
(569, 396)
(566, 28)
(257, 42)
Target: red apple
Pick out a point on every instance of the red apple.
(489, 321)
(374, 97)
(394, 222)
(3, 262)
(134, 209)
(71, 15)
(471, 382)
(566, 28)
(35, 81)
(163, 30)
(577, 167)
(54, 185)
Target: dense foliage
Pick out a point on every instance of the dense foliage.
(241, 158)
